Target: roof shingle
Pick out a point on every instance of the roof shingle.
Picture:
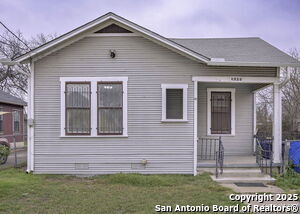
(8, 98)
(251, 49)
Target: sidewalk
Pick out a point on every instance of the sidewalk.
(269, 189)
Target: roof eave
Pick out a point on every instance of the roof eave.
(12, 103)
(5, 61)
(111, 16)
(254, 64)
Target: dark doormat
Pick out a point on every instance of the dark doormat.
(250, 184)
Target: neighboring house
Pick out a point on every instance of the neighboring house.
(112, 96)
(11, 117)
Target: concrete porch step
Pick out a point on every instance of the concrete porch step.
(232, 170)
(255, 172)
(266, 179)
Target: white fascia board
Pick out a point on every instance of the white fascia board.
(256, 64)
(163, 40)
(5, 61)
(235, 79)
(123, 21)
(63, 38)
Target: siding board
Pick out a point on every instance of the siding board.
(168, 147)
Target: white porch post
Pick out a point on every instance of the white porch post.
(195, 125)
(254, 121)
(277, 123)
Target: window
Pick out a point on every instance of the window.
(16, 121)
(174, 102)
(94, 106)
(1, 120)
(110, 104)
(221, 111)
(78, 108)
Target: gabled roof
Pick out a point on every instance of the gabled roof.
(219, 52)
(112, 18)
(9, 99)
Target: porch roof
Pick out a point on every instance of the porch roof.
(252, 50)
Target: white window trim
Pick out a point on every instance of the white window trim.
(232, 90)
(93, 81)
(164, 87)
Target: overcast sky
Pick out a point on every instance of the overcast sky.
(276, 21)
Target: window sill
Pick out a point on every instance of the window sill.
(98, 136)
(221, 135)
(174, 121)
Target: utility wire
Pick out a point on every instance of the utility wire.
(14, 35)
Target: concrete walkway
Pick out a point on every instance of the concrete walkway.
(269, 189)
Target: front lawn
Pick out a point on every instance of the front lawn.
(290, 182)
(120, 193)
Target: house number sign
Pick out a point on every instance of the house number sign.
(236, 79)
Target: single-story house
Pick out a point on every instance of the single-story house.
(112, 96)
(12, 118)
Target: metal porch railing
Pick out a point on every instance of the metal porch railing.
(264, 154)
(212, 149)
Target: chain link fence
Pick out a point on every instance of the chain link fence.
(13, 150)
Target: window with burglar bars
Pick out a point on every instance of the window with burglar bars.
(110, 108)
(78, 108)
(220, 112)
(16, 121)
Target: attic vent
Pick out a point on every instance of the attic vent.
(113, 28)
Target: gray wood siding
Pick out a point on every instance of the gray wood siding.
(242, 142)
(168, 147)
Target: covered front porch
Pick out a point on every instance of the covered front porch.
(225, 110)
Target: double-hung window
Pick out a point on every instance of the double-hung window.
(174, 102)
(221, 111)
(94, 106)
(78, 108)
(110, 108)
(16, 121)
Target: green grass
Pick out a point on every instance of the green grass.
(290, 181)
(119, 193)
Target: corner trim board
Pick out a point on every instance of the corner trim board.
(30, 129)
